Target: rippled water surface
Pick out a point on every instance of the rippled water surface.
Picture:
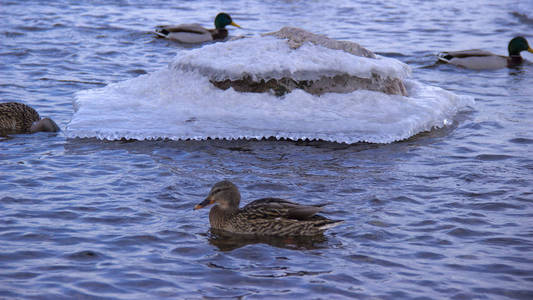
(444, 214)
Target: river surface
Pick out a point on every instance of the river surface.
(446, 213)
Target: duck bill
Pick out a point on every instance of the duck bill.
(530, 50)
(208, 201)
(235, 24)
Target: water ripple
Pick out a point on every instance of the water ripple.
(444, 214)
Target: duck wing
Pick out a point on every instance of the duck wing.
(185, 33)
(272, 208)
(474, 59)
(191, 28)
(465, 53)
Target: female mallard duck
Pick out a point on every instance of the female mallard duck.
(263, 217)
(20, 118)
(482, 60)
(195, 33)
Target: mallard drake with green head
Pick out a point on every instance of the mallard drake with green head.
(263, 217)
(195, 33)
(20, 118)
(484, 60)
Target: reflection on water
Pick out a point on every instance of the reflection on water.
(225, 241)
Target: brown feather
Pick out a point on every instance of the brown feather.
(17, 117)
(268, 216)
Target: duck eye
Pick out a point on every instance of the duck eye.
(218, 190)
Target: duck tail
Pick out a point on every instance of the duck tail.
(444, 57)
(161, 32)
(330, 224)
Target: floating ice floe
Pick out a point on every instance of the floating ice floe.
(289, 84)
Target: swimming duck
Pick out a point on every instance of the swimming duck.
(483, 60)
(263, 217)
(20, 118)
(195, 33)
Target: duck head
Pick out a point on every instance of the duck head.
(44, 124)
(225, 194)
(222, 20)
(517, 45)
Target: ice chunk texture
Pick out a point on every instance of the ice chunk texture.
(319, 102)
(269, 57)
(175, 105)
(296, 59)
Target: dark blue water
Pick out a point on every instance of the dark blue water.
(444, 214)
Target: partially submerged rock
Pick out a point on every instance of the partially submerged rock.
(296, 37)
(336, 84)
(307, 61)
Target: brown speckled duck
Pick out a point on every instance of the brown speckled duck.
(263, 217)
(20, 118)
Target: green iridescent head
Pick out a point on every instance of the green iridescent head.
(517, 45)
(222, 20)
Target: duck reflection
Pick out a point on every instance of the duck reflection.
(225, 241)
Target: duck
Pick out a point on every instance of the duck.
(263, 217)
(17, 117)
(195, 33)
(484, 60)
